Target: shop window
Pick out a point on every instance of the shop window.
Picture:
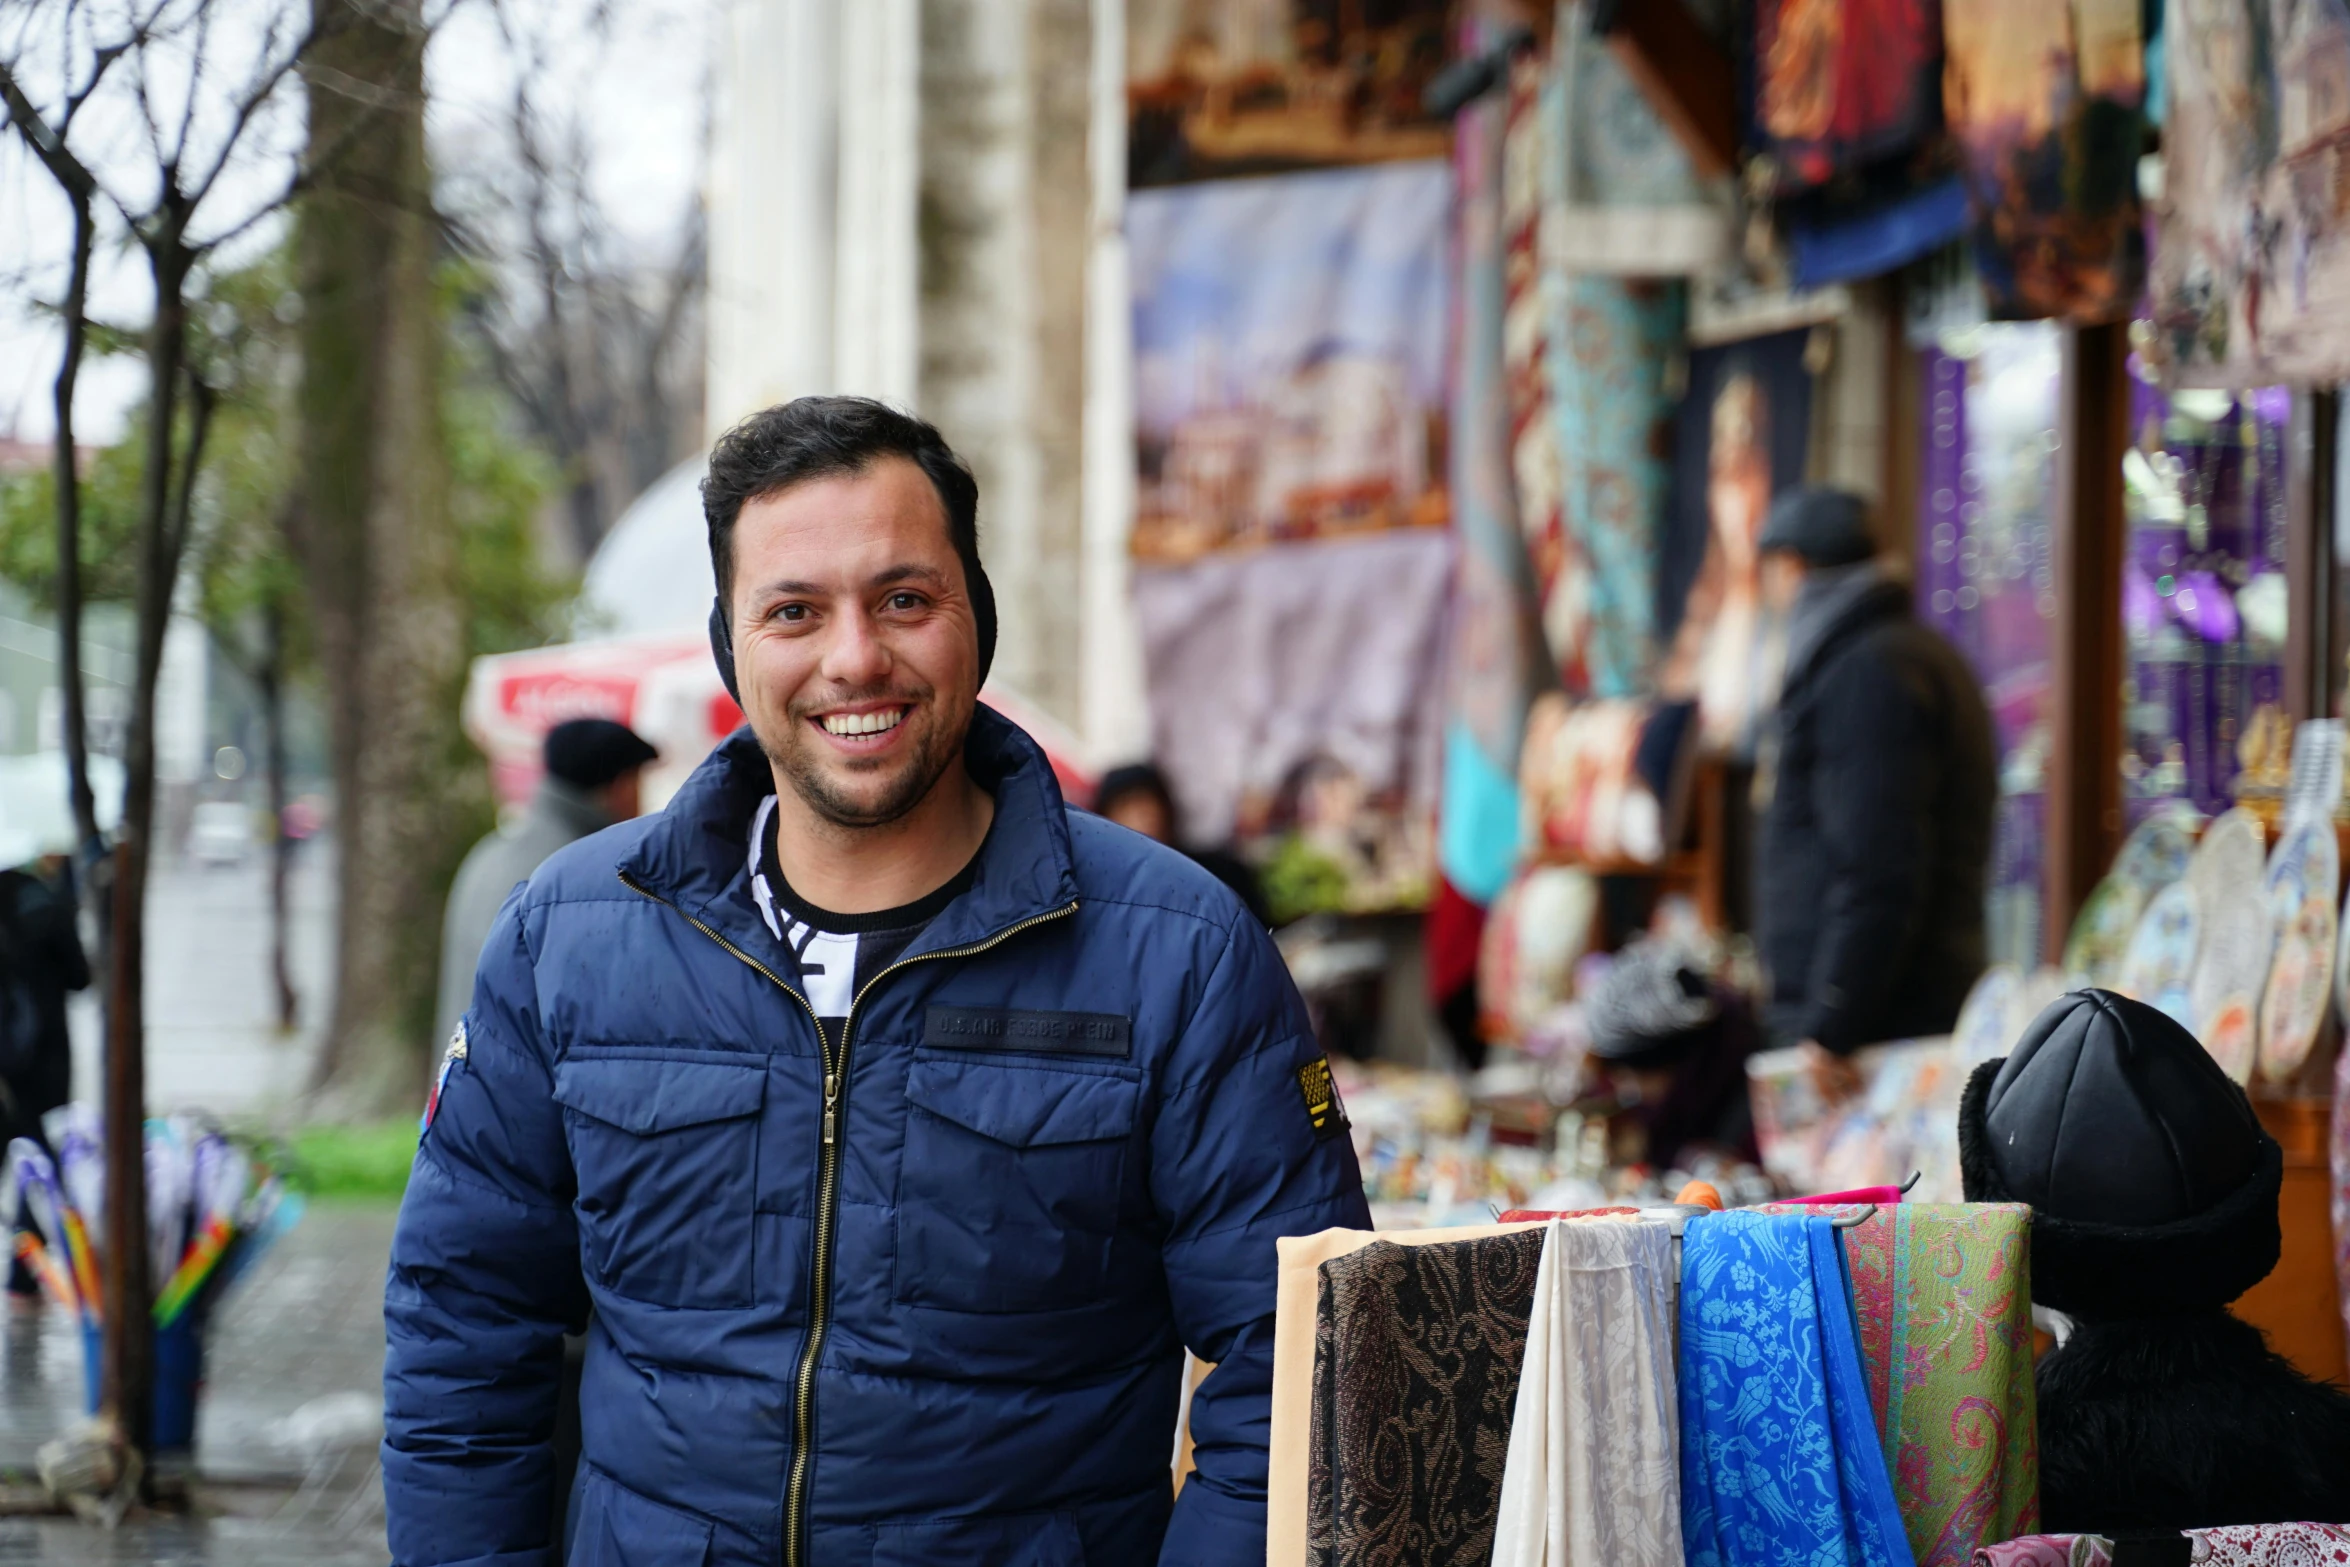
(2204, 598)
(1986, 581)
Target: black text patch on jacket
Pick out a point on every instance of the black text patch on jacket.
(999, 1028)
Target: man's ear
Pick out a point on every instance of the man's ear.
(722, 648)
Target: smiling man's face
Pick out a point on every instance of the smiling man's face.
(854, 640)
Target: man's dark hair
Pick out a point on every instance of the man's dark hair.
(812, 438)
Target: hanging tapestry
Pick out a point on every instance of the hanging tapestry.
(1232, 87)
(1417, 1351)
(1289, 358)
(1620, 197)
(1741, 436)
(1497, 657)
(1943, 1296)
(1532, 372)
(1780, 1459)
(2046, 102)
(2251, 276)
(1611, 340)
(1843, 83)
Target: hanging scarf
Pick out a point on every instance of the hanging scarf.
(1594, 1450)
(1780, 1463)
(1943, 1297)
(1416, 1358)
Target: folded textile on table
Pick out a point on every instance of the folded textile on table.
(1943, 1297)
(1593, 1477)
(2271, 1545)
(1416, 1359)
(2047, 1550)
(1780, 1462)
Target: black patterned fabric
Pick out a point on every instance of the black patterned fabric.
(1416, 1357)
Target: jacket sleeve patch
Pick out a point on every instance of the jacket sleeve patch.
(1324, 1108)
(456, 1053)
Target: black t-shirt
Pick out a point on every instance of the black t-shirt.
(835, 956)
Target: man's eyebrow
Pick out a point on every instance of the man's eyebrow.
(911, 571)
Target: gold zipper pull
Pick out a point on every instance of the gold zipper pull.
(831, 1097)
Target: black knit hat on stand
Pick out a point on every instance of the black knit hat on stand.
(2152, 1185)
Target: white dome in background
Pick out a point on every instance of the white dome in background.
(652, 572)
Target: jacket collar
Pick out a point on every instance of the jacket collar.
(694, 854)
(1832, 606)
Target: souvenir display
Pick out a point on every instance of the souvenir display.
(2251, 277)
(1842, 84)
(1905, 1118)
(1544, 921)
(2160, 963)
(1743, 427)
(1985, 1025)
(1583, 795)
(2043, 101)
(2235, 932)
(2303, 889)
(1227, 90)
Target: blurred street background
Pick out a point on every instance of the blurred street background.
(1376, 406)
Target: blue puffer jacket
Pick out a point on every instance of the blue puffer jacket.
(941, 1321)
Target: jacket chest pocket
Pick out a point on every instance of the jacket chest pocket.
(666, 1153)
(1009, 1194)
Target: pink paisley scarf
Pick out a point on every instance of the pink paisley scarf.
(2048, 1550)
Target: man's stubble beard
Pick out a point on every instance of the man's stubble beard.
(797, 760)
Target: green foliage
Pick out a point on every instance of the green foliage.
(497, 486)
(110, 525)
(370, 1160)
(1300, 880)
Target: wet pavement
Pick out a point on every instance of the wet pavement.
(286, 1464)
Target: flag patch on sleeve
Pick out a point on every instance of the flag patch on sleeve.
(456, 1053)
(1323, 1106)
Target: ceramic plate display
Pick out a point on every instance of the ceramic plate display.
(2100, 937)
(1985, 1022)
(2161, 958)
(2040, 990)
(2298, 987)
(2307, 863)
(2158, 849)
(2234, 934)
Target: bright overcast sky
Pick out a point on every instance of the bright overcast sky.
(639, 98)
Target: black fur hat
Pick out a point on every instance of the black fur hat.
(2152, 1185)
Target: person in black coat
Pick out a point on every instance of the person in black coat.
(1876, 839)
(41, 959)
(2154, 1203)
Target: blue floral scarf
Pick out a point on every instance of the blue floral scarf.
(1780, 1462)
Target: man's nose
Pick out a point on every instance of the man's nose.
(856, 655)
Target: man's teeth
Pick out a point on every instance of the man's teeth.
(863, 723)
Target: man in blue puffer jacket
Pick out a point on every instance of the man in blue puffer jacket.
(901, 1126)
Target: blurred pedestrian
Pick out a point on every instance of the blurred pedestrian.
(1674, 1042)
(1136, 796)
(1876, 840)
(41, 959)
(902, 1126)
(591, 781)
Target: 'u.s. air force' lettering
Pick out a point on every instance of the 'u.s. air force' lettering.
(997, 1028)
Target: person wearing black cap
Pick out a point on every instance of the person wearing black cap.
(592, 767)
(2153, 1191)
(1136, 796)
(1876, 841)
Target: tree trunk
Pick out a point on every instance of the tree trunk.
(271, 678)
(127, 1365)
(74, 317)
(378, 543)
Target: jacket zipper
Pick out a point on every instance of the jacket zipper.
(836, 1082)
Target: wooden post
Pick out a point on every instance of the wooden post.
(2084, 765)
(2310, 633)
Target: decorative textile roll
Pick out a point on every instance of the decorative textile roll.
(2271, 1545)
